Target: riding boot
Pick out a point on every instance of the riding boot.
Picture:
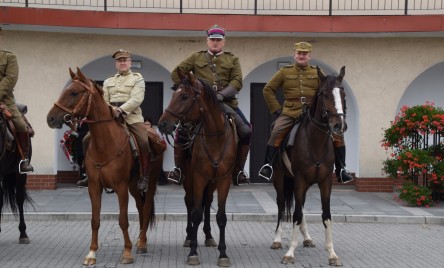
(23, 140)
(239, 175)
(145, 158)
(266, 170)
(175, 175)
(342, 174)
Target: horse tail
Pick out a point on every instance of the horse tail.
(288, 196)
(12, 190)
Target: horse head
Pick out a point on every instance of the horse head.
(191, 99)
(74, 102)
(330, 98)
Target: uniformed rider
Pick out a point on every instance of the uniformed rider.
(299, 83)
(221, 70)
(9, 71)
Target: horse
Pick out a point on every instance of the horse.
(212, 158)
(109, 160)
(13, 183)
(312, 159)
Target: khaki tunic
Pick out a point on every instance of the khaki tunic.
(295, 82)
(129, 91)
(226, 64)
(9, 71)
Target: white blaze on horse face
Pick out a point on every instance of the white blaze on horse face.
(338, 102)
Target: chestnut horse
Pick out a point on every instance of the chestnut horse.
(212, 158)
(13, 183)
(109, 160)
(312, 159)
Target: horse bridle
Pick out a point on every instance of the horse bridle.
(71, 118)
(183, 116)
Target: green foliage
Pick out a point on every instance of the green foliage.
(408, 138)
(415, 195)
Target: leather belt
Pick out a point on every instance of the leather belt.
(300, 99)
(116, 104)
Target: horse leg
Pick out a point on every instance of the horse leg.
(148, 214)
(196, 219)
(221, 219)
(122, 195)
(325, 188)
(209, 240)
(188, 199)
(280, 201)
(141, 243)
(20, 196)
(299, 193)
(95, 195)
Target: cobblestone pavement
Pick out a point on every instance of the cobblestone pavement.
(369, 230)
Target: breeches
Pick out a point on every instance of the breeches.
(17, 119)
(281, 127)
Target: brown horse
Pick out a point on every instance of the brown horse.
(312, 160)
(212, 145)
(12, 182)
(109, 160)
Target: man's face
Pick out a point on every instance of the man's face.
(123, 65)
(215, 45)
(302, 58)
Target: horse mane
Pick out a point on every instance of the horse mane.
(97, 86)
(327, 83)
(208, 91)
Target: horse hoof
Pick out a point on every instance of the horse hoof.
(24, 240)
(276, 245)
(287, 260)
(89, 261)
(210, 243)
(193, 260)
(186, 243)
(223, 262)
(335, 262)
(309, 243)
(142, 250)
(127, 260)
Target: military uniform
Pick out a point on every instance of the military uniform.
(222, 71)
(299, 84)
(227, 71)
(9, 71)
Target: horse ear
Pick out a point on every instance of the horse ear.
(81, 76)
(320, 74)
(192, 78)
(341, 74)
(180, 73)
(72, 73)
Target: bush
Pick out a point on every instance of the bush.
(413, 153)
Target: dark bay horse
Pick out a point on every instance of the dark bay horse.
(213, 154)
(109, 160)
(12, 190)
(312, 159)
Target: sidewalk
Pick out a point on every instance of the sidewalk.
(246, 202)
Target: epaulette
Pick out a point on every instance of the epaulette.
(137, 74)
(287, 66)
(7, 51)
(229, 53)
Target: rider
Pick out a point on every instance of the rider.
(299, 83)
(9, 71)
(222, 71)
(125, 91)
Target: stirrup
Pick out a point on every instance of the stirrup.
(171, 178)
(262, 168)
(246, 176)
(20, 166)
(346, 171)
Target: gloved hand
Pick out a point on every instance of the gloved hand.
(278, 112)
(220, 97)
(118, 112)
